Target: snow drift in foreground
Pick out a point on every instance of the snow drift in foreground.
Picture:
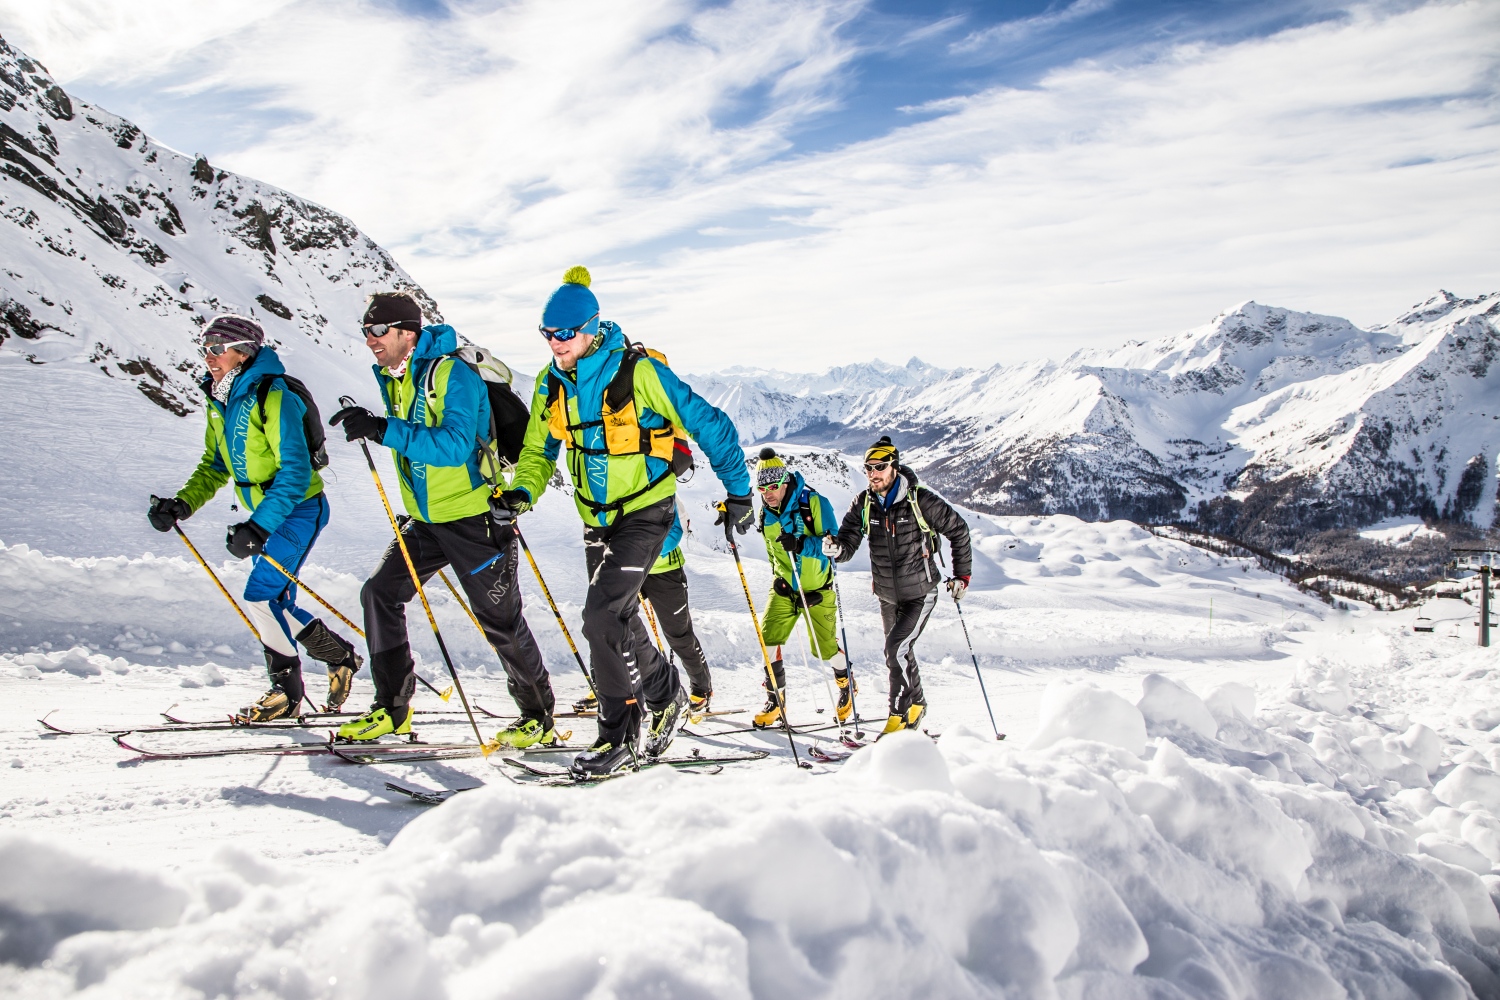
(1178, 847)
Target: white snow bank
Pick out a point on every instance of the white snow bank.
(1086, 711)
(1399, 531)
(1272, 860)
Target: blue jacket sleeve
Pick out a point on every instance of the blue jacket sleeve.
(455, 437)
(711, 427)
(825, 520)
(674, 536)
(294, 473)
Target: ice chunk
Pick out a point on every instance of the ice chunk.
(1086, 712)
(1470, 782)
(1167, 702)
(1231, 700)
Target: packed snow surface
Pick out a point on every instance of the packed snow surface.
(1280, 800)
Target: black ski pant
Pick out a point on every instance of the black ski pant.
(668, 594)
(904, 621)
(626, 666)
(487, 573)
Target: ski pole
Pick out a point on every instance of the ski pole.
(484, 748)
(759, 636)
(838, 599)
(555, 613)
(214, 577)
(312, 593)
(651, 620)
(998, 734)
(445, 695)
(806, 615)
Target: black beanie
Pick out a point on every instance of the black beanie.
(394, 308)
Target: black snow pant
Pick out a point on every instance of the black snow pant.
(487, 573)
(668, 594)
(903, 623)
(626, 666)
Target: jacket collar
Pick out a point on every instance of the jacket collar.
(592, 363)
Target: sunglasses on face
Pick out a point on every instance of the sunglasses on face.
(218, 347)
(381, 329)
(772, 487)
(877, 466)
(565, 333)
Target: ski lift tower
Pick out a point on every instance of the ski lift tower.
(1483, 560)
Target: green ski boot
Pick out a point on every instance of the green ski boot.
(378, 723)
(526, 733)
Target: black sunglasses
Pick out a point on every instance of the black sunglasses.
(381, 329)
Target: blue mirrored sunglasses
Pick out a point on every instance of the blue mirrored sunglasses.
(566, 333)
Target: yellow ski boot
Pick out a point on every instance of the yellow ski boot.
(378, 723)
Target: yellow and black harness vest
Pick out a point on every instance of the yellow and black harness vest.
(623, 434)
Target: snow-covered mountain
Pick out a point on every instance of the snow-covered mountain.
(113, 250)
(1293, 421)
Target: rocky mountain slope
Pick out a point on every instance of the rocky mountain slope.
(116, 249)
(1265, 422)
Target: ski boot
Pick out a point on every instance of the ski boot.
(285, 695)
(604, 757)
(771, 714)
(342, 660)
(894, 724)
(698, 707)
(524, 733)
(664, 726)
(915, 713)
(587, 706)
(380, 722)
(847, 690)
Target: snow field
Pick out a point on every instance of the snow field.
(1299, 810)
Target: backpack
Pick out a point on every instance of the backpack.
(312, 424)
(508, 415)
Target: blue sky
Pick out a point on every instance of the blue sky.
(821, 182)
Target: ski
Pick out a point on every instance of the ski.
(591, 714)
(817, 753)
(430, 798)
(276, 748)
(409, 754)
(707, 763)
(777, 728)
(308, 720)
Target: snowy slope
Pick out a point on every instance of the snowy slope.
(1287, 418)
(1282, 800)
(115, 249)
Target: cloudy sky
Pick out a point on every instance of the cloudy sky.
(799, 183)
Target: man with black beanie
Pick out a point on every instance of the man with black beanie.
(906, 522)
(437, 425)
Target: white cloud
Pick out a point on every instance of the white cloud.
(495, 147)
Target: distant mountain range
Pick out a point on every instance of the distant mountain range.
(1266, 423)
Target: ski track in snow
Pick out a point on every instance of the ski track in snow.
(1322, 821)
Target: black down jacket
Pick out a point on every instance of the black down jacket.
(902, 557)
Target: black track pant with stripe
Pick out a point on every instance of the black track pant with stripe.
(903, 623)
(668, 594)
(487, 573)
(626, 666)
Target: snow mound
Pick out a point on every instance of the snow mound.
(1087, 712)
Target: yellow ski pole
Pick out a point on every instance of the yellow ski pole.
(555, 612)
(651, 620)
(416, 580)
(214, 577)
(759, 636)
(445, 695)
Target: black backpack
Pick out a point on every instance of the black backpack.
(508, 415)
(312, 424)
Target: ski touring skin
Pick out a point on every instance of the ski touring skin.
(696, 761)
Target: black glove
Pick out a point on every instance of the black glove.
(165, 512)
(359, 423)
(505, 506)
(792, 542)
(246, 539)
(736, 512)
(782, 588)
